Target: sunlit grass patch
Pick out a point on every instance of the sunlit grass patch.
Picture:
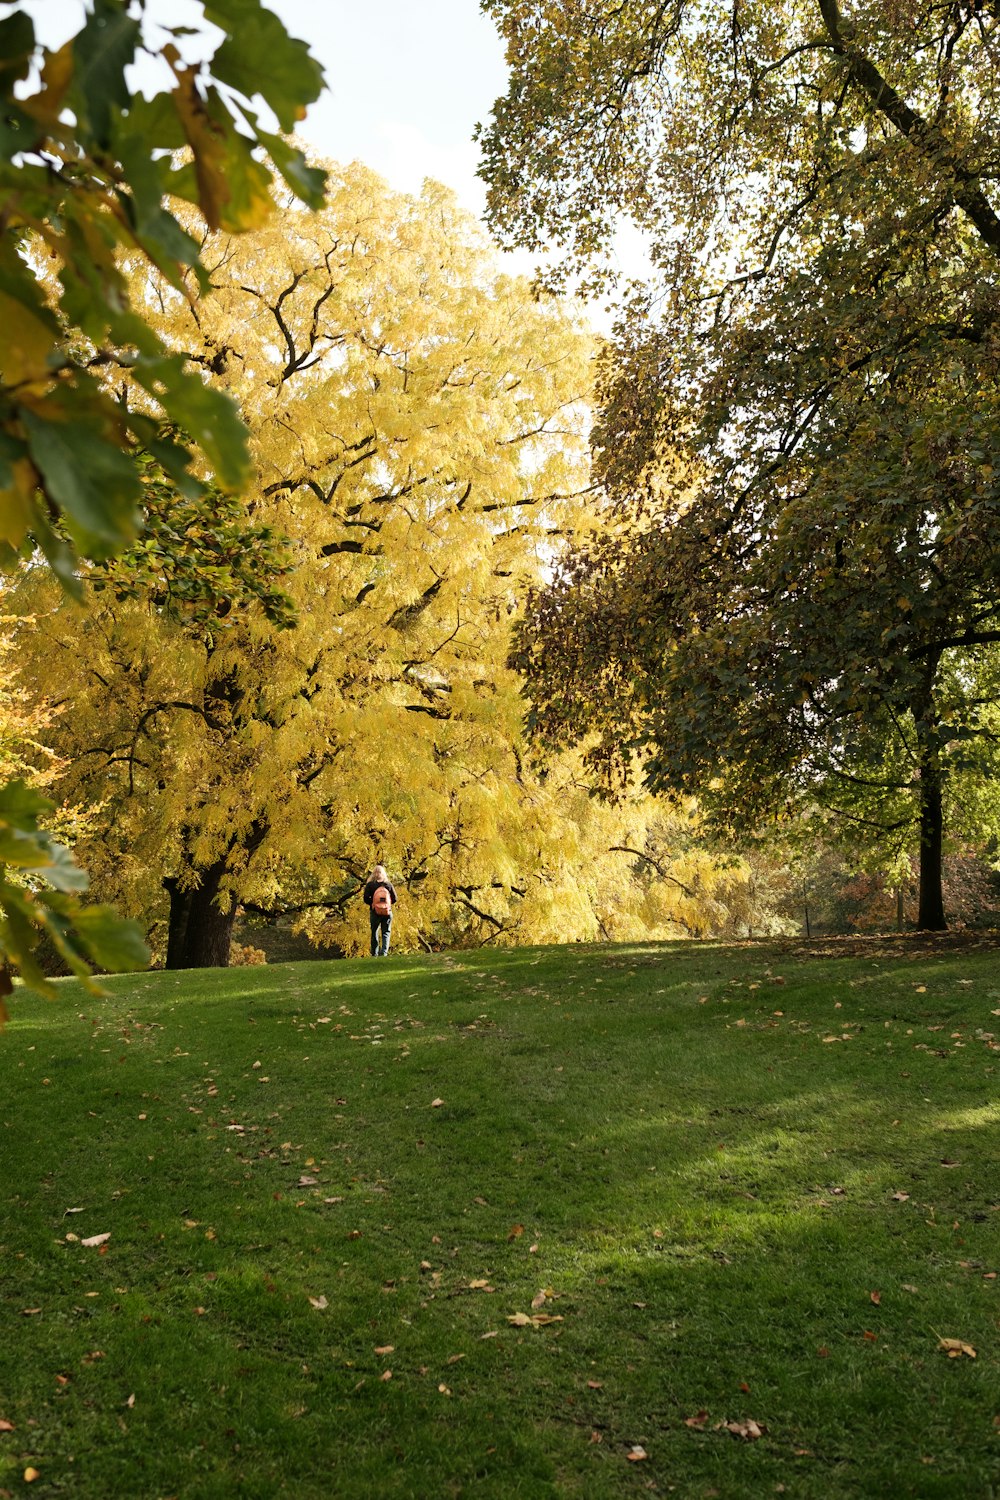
(330, 1187)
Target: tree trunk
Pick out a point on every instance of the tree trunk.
(209, 931)
(930, 905)
(180, 907)
(899, 908)
(930, 913)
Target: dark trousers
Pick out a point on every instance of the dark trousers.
(381, 928)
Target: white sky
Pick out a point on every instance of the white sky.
(407, 81)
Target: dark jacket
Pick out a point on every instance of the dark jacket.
(372, 887)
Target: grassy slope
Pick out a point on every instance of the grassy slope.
(703, 1177)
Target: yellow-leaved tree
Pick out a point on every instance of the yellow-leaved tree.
(418, 425)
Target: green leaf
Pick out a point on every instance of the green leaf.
(306, 182)
(165, 242)
(110, 941)
(21, 805)
(209, 416)
(20, 920)
(17, 47)
(60, 870)
(102, 51)
(259, 57)
(91, 480)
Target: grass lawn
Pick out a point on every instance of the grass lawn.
(753, 1189)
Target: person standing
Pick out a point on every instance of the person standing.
(380, 897)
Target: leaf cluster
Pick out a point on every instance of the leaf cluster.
(86, 172)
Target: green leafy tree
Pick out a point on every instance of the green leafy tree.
(86, 172)
(799, 418)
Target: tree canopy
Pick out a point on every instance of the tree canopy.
(418, 434)
(799, 415)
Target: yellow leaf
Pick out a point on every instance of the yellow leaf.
(16, 507)
(955, 1348)
(26, 342)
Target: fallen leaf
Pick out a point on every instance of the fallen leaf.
(532, 1249)
(436, 1103)
(542, 1320)
(200, 1312)
(909, 1287)
(96, 1239)
(6, 1426)
(453, 1359)
(636, 1454)
(72, 1211)
(386, 1375)
(72, 1239)
(595, 1437)
(696, 1421)
(131, 1401)
(444, 1389)
(355, 1234)
(823, 1352)
(538, 1300)
(30, 1475)
(29, 1312)
(595, 1385)
(493, 1334)
(520, 1320)
(900, 1197)
(955, 1348)
(516, 1231)
(875, 1297)
(320, 1303)
(480, 1286)
(386, 1349)
(306, 1181)
(871, 1337)
(749, 1430)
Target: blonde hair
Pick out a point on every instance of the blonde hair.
(379, 873)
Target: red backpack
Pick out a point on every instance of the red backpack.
(381, 901)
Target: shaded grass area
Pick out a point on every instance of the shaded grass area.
(755, 1185)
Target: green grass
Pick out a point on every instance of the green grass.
(703, 1178)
